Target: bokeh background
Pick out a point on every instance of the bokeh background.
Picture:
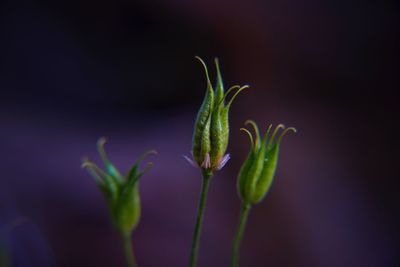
(73, 71)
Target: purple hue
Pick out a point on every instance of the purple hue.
(73, 71)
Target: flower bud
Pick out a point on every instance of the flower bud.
(211, 128)
(258, 170)
(121, 193)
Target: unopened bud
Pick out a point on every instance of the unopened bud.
(211, 128)
(258, 170)
(121, 192)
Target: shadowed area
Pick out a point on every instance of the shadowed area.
(74, 71)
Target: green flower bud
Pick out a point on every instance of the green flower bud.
(121, 193)
(211, 128)
(258, 170)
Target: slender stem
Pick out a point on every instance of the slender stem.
(199, 220)
(244, 213)
(4, 255)
(128, 250)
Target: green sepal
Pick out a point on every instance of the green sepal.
(221, 126)
(106, 183)
(134, 175)
(267, 175)
(257, 143)
(216, 126)
(244, 175)
(219, 87)
(96, 173)
(201, 136)
(217, 137)
(225, 129)
(110, 168)
(254, 172)
(127, 212)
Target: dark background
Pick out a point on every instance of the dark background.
(73, 71)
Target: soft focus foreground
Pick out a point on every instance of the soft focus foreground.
(73, 71)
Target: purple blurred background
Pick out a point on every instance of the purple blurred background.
(73, 71)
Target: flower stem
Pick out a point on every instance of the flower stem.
(128, 251)
(244, 213)
(199, 220)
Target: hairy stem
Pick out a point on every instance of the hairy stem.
(244, 213)
(199, 220)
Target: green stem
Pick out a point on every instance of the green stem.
(128, 251)
(4, 256)
(199, 220)
(244, 214)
